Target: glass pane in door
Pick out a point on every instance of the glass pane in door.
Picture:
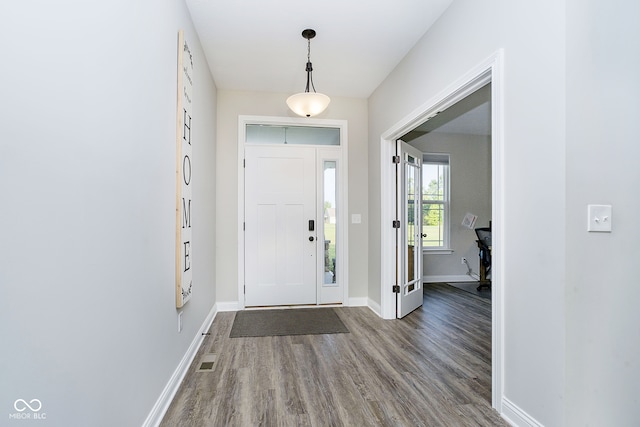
(412, 218)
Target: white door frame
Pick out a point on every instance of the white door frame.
(343, 233)
(488, 71)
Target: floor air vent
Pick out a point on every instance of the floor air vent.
(206, 363)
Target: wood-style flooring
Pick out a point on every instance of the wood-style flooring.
(432, 368)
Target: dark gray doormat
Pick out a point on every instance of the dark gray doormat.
(298, 321)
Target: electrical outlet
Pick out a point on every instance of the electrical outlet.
(463, 260)
(180, 321)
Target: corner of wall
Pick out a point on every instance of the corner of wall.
(168, 393)
(515, 416)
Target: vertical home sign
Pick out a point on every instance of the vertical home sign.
(184, 282)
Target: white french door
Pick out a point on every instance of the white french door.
(409, 234)
(280, 225)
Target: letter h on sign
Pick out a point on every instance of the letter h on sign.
(186, 130)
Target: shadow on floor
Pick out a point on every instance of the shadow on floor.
(471, 287)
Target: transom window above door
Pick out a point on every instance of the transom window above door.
(296, 135)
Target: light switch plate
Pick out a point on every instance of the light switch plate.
(599, 218)
(356, 218)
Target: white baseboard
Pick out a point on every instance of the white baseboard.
(227, 306)
(162, 404)
(516, 416)
(374, 306)
(358, 302)
(445, 279)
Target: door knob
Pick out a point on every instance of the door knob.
(424, 235)
(311, 238)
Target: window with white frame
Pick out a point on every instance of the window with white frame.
(435, 201)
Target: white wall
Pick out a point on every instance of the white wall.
(532, 36)
(231, 104)
(87, 177)
(470, 185)
(603, 153)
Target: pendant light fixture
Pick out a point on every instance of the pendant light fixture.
(308, 103)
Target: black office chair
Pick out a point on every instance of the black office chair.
(484, 245)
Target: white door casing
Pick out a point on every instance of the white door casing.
(338, 292)
(280, 202)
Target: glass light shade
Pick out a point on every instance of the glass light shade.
(308, 104)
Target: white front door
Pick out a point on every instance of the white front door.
(280, 225)
(409, 235)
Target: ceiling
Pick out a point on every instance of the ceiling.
(469, 116)
(256, 45)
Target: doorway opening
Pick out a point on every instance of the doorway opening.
(487, 72)
(456, 199)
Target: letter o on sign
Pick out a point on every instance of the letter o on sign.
(186, 170)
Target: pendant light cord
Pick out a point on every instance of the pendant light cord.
(309, 68)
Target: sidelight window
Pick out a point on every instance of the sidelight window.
(330, 220)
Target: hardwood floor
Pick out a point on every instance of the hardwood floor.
(432, 368)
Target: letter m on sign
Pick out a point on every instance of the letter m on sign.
(186, 213)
